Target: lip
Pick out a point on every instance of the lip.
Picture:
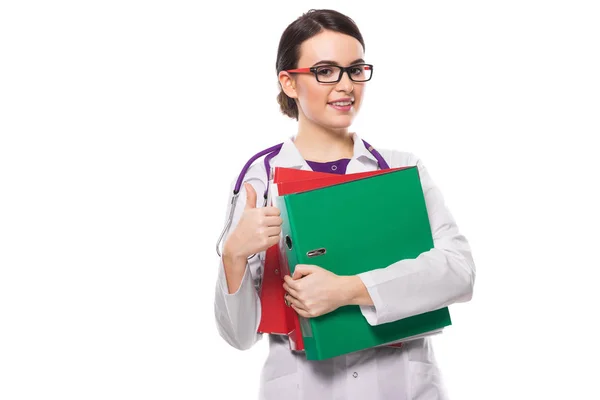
(344, 99)
(342, 108)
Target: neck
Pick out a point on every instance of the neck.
(316, 143)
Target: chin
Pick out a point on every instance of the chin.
(334, 121)
(341, 122)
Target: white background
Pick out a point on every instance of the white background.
(122, 124)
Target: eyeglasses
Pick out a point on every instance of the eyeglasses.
(333, 73)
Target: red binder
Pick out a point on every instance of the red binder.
(305, 183)
(276, 317)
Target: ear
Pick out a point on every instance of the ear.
(288, 84)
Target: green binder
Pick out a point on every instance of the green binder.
(354, 227)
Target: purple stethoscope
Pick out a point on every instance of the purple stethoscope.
(270, 153)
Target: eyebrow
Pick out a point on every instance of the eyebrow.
(329, 62)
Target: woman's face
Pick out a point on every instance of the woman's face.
(314, 98)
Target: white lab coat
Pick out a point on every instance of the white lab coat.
(437, 278)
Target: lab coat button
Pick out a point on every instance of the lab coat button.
(355, 374)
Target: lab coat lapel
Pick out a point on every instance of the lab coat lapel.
(289, 157)
(362, 160)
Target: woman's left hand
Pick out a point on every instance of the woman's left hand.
(314, 291)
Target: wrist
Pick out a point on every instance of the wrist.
(233, 258)
(235, 269)
(229, 252)
(356, 292)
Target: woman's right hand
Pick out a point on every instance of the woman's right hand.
(256, 231)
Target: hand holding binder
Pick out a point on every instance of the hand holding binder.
(317, 290)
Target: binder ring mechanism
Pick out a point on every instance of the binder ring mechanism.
(316, 252)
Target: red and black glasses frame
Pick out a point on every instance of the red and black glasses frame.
(314, 70)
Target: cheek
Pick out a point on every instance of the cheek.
(358, 97)
(314, 98)
(318, 97)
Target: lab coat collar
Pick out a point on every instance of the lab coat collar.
(290, 157)
(360, 150)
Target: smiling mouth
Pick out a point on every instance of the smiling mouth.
(342, 103)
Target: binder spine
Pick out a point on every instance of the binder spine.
(290, 257)
(286, 261)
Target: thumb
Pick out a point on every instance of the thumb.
(250, 196)
(301, 270)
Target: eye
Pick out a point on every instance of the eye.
(356, 70)
(325, 71)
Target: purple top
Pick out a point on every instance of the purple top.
(332, 167)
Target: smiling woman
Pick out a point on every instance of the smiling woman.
(323, 74)
(321, 56)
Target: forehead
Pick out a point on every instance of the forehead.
(329, 45)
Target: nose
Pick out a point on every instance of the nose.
(345, 84)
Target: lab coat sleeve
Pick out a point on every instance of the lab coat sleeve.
(238, 314)
(435, 279)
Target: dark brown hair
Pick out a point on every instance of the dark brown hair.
(306, 26)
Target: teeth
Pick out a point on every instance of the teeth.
(345, 103)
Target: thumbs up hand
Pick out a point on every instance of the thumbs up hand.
(257, 229)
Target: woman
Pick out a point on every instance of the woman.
(324, 100)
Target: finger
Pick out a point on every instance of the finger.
(299, 272)
(306, 269)
(271, 211)
(250, 196)
(291, 290)
(295, 302)
(272, 241)
(273, 221)
(285, 299)
(300, 311)
(291, 282)
(273, 231)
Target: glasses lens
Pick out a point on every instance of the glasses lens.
(328, 73)
(331, 73)
(361, 72)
